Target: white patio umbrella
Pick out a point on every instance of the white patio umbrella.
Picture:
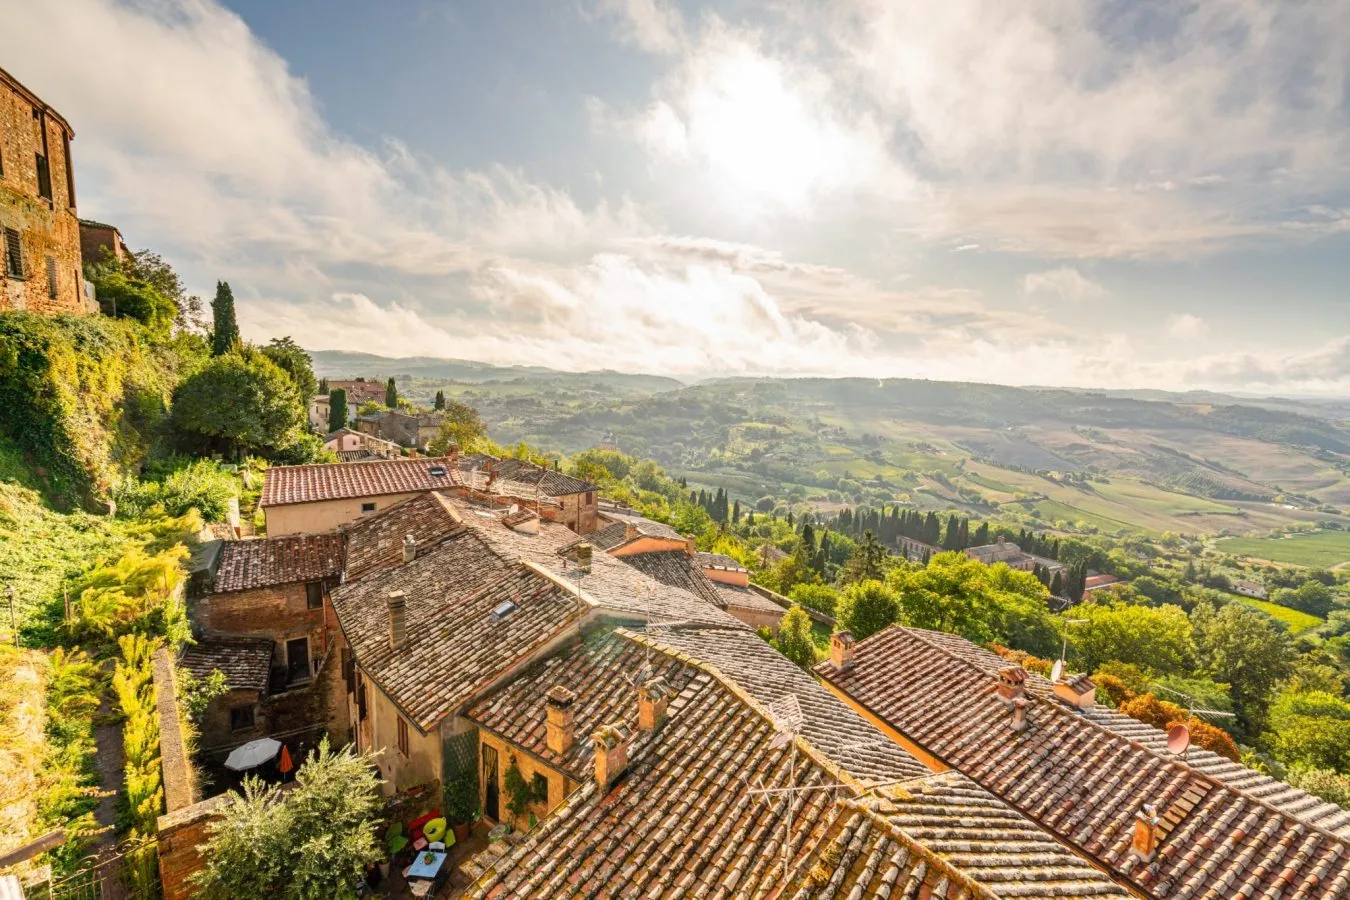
(254, 753)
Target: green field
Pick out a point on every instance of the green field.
(1323, 549)
(1296, 620)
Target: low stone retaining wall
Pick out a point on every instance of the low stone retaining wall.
(180, 781)
(181, 834)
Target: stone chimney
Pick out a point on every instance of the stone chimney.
(584, 553)
(689, 547)
(1019, 711)
(398, 620)
(491, 475)
(1076, 690)
(653, 698)
(1012, 683)
(611, 754)
(560, 719)
(630, 531)
(841, 649)
(409, 548)
(1000, 540)
(1147, 833)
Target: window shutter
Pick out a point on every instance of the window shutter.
(44, 177)
(51, 277)
(13, 253)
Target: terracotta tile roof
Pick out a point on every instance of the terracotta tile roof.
(941, 836)
(338, 481)
(597, 669)
(245, 662)
(1085, 783)
(520, 478)
(642, 525)
(746, 598)
(262, 562)
(377, 541)
(677, 569)
(718, 561)
(458, 642)
(611, 585)
(742, 658)
(609, 537)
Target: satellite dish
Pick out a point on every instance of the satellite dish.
(1057, 671)
(1178, 739)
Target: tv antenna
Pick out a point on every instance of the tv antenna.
(787, 718)
(1058, 669)
(1179, 735)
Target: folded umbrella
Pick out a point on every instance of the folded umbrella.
(254, 753)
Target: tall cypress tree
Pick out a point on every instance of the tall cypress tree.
(323, 387)
(337, 410)
(440, 400)
(224, 328)
(391, 394)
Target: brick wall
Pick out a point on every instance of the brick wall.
(180, 781)
(48, 229)
(181, 835)
(279, 612)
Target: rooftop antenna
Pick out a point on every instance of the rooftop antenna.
(1179, 736)
(1057, 670)
(787, 718)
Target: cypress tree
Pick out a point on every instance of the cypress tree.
(337, 410)
(440, 400)
(391, 394)
(323, 387)
(224, 328)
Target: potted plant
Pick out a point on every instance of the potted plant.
(461, 802)
(396, 840)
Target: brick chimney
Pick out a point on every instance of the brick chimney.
(611, 754)
(1076, 690)
(1011, 683)
(630, 531)
(560, 719)
(653, 698)
(1147, 833)
(409, 548)
(398, 620)
(841, 649)
(491, 475)
(1019, 711)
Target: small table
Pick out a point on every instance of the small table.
(427, 870)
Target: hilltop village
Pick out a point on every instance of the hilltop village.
(283, 634)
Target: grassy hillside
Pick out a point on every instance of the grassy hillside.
(1323, 549)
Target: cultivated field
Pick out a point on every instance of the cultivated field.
(1324, 549)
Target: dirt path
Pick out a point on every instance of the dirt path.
(111, 770)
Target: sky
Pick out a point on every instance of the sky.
(1057, 192)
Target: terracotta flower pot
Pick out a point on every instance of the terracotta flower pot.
(462, 831)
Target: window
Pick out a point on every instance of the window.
(314, 594)
(297, 659)
(349, 670)
(44, 176)
(402, 736)
(51, 277)
(361, 703)
(539, 787)
(367, 508)
(13, 254)
(590, 498)
(70, 171)
(241, 717)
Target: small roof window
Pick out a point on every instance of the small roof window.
(503, 609)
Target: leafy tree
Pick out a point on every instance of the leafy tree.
(391, 394)
(440, 401)
(1311, 729)
(240, 404)
(337, 410)
(131, 298)
(462, 426)
(150, 267)
(315, 840)
(1247, 650)
(867, 607)
(1159, 638)
(949, 594)
(224, 328)
(296, 363)
(323, 387)
(820, 597)
(1330, 786)
(1311, 597)
(868, 562)
(794, 638)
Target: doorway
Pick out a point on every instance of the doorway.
(491, 790)
(297, 660)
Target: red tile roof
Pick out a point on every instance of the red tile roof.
(376, 542)
(1085, 783)
(338, 481)
(248, 564)
(246, 663)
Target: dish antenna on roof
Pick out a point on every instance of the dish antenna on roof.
(1057, 670)
(1178, 739)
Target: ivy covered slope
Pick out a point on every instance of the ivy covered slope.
(84, 398)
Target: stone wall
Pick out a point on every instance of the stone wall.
(181, 835)
(48, 229)
(180, 780)
(279, 612)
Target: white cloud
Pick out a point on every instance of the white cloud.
(652, 25)
(1066, 283)
(1186, 326)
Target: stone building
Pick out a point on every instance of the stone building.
(39, 226)
(100, 241)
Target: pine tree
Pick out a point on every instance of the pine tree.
(440, 401)
(224, 328)
(337, 410)
(391, 394)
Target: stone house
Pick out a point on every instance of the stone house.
(414, 430)
(39, 226)
(359, 391)
(99, 242)
(319, 418)
(265, 613)
(351, 441)
(316, 498)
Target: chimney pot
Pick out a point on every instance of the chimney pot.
(409, 548)
(653, 698)
(560, 719)
(630, 531)
(398, 620)
(841, 649)
(1146, 833)
(1012, 683)
(584, 554)
(611, 754)
(1000, 540)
